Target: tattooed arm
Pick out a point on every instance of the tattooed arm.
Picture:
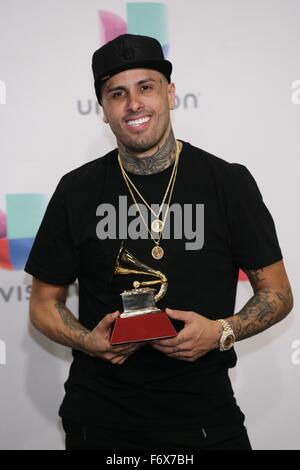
(50, 315)
(271, 302)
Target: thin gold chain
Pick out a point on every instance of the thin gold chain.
(125, 175)
(169, 199)
(168, 204)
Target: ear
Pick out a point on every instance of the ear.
(105, 118)
(171, 95)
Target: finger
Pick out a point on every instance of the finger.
(178, 352)
(172, 342)
(165, 350)
(107, 321)
(125, 346)
(187, 355)
(162, 347)
(112, 357)
(159, 348)
(176, 355)
(122, 349)
(178, 314)
(119, 359)
(182, 356)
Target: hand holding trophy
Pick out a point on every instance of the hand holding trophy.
(141, 320)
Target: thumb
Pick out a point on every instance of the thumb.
(177, 314)
(108, 320)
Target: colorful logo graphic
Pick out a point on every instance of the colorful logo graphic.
(242, 276)
(149, 19)
(18, 227)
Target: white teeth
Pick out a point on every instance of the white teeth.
(137, 122)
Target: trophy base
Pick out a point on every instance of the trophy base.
(145, 327)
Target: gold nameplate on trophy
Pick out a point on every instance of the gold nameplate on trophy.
(140, 320)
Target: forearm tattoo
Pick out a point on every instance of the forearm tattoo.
(70, 321)
(264, 309)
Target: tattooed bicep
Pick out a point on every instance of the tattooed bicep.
(256, 277)
(270, 277)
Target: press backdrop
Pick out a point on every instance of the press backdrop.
(237, 72)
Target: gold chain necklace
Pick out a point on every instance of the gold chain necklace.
(157, 224)
(157, 251)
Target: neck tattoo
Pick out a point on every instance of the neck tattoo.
(160, 161)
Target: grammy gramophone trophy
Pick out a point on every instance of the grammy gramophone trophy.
(141, 320)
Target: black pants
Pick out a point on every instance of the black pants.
(82, 437)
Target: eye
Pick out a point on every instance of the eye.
(145, 88)
(118, 94)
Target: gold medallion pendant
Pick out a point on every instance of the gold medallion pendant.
(157, 252)
(157, 226)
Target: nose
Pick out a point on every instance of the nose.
(134, 102)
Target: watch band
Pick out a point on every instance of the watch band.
(227, 338)
(225, 325)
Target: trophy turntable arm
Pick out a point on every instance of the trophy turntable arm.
(162, 281)
(137, 284)
(160, 293)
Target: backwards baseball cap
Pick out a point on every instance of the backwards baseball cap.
(128, 51)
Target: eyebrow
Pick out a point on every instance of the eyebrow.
(123, 87)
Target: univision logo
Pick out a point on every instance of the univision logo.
(19, 223)
(148, 19)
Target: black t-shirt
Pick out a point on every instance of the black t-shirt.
(238, 233)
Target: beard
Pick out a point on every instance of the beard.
(140, 145)
(143, 143)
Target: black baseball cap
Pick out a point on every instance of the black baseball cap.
(128, 51)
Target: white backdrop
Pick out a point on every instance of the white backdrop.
(240, 62)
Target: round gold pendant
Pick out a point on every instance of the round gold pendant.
(157, 226)
(157, 252)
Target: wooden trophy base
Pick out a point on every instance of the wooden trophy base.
(144, 327)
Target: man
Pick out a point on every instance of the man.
(167, 393)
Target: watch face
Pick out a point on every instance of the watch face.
(228, 342)
(227, 339)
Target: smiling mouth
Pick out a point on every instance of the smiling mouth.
(138, 122)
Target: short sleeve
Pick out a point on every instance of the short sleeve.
(254, 242)
(53, 257)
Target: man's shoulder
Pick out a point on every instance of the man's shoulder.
(209, 158)
(88, 173)
(215, 165)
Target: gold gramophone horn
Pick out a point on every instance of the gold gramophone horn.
(128, 264)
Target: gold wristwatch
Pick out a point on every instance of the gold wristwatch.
(227, 337)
